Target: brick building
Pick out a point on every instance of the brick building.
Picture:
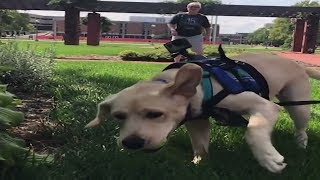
(238, 38)
(141, 27)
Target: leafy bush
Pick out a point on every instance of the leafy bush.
(159, 54)
(30, 71)
(129, 55)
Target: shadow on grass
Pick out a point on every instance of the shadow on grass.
(95, 155)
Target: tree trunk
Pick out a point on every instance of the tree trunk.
(72, 26)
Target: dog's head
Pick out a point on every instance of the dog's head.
(149, 110)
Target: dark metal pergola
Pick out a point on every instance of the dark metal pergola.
(169, 8)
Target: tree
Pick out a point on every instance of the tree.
(260, 36)
(11, 20)
(281, 31)
(72, 17)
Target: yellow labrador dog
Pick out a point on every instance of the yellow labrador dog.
(150, 110)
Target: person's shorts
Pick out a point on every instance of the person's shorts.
(195, 41)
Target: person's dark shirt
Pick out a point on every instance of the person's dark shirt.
(190, 25)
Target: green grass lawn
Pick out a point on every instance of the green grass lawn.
(114, 48)
(93, 154)
(105, 48)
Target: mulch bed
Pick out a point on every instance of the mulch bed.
(37, 129)
(90, 57)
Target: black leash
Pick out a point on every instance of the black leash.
(297, 103)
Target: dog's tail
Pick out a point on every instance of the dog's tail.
(315, 74)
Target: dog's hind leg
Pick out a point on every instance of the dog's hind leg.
(298, 91)
(199, 132)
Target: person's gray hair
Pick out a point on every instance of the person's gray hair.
(194, 4)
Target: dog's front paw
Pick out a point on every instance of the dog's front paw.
(196, 160)
(274, 162)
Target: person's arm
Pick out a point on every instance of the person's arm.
(206, 26)
(172, 28)
(172, 25)
(207, 34)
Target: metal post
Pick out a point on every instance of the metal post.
(211, 31)
(54, 27)
(36, 38)
(152, 32)
(215, 30)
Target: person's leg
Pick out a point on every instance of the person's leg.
(197, 44)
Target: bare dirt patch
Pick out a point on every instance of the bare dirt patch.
(91, 57)
(37, 129)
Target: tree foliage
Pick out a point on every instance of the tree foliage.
(280, 32)
(11, 20)
(260, 36)
(307, 3)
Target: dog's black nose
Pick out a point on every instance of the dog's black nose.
(133, 142)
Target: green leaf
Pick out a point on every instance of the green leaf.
(11, 149)
(10, 118)
(3, 88)
(5, 99)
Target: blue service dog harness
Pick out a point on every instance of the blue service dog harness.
(235, 77)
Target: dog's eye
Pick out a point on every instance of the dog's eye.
(120, 116)
(153, 114)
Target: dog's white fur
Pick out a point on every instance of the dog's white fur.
(287, 81)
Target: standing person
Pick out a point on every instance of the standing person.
(190, 25)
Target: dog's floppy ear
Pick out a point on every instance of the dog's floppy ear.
(103, 111)
(187, 79)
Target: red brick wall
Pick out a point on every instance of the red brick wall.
(132, 28)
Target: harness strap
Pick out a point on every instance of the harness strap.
(206, 86)
(215, 100)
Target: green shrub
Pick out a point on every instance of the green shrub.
(158, 54)
(129, 55)
(30, 71)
